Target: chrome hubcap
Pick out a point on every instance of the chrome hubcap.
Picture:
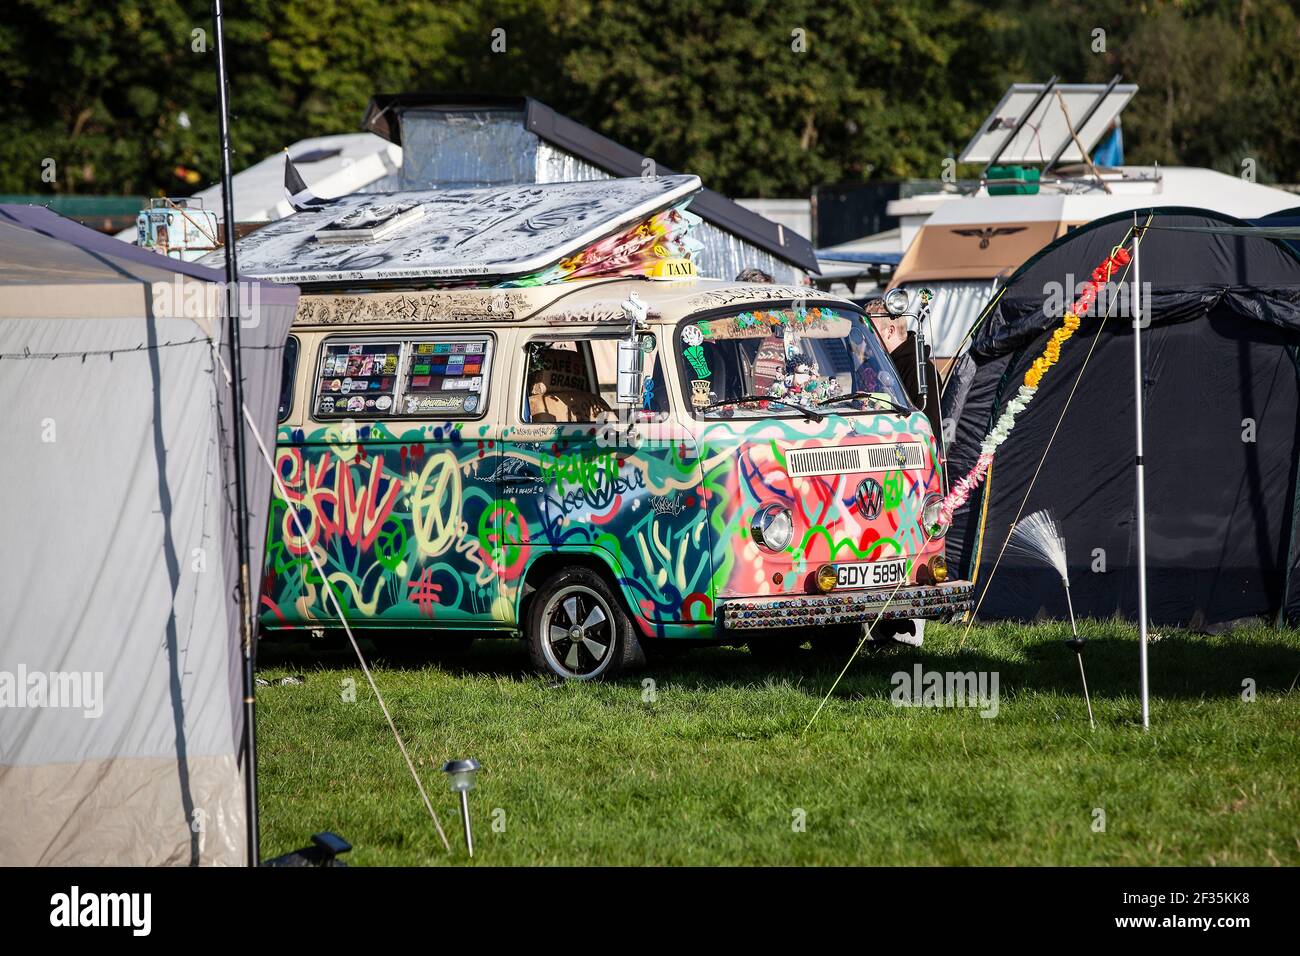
(578, 632)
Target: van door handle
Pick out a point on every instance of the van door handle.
(516, 471)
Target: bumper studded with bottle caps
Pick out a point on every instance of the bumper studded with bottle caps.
(847, 607)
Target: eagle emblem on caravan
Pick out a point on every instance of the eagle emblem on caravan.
(986, 234)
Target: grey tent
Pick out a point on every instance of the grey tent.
(120, 670)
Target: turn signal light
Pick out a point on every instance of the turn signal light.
(826, 578)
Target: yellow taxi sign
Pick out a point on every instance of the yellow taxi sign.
(676, 268)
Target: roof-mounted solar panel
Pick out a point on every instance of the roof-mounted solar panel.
(1032, 124)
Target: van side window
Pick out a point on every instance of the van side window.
(288, 378)
(576, 380)
(357, 378)
(446, 376)
(431, 376)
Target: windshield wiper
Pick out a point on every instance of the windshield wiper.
(815, 416)
(868, 396)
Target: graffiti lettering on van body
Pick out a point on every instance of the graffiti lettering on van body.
(388, 522)
(331, 502)
(586, 469)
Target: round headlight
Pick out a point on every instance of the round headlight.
(930, 517)
(772, 528)
(897, 301)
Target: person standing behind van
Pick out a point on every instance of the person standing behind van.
(902, 346)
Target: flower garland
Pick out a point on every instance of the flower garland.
(774, 319)
(961, 491)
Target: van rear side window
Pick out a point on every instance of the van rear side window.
(443, 376)
(446, 376)
(288, 378)
(357, 378)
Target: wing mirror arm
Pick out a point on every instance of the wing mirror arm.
(922, 313)
(631, 360)
(899, 303)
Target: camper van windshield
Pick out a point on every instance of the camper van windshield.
(802, 356)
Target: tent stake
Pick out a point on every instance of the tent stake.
(237, 431)
(1141, 483)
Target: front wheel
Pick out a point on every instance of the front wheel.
(577, 630)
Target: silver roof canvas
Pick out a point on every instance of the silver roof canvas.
(482, 234)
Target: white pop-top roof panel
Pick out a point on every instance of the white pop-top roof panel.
(1047, 128)
(497, 232)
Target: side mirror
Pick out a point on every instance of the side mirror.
(922, 313)
(631, 366)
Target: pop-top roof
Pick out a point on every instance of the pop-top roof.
(490, 234)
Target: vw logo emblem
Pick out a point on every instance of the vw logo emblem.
(869, 497)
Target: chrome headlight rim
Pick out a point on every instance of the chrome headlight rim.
(897, 301)
(765, 528)
(930, 517)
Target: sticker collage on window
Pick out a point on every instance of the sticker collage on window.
(358, 378)
(445, 377)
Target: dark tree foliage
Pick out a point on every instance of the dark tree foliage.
(768, 97)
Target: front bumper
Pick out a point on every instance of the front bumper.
(847, 607)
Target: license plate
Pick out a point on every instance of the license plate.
(870, 574)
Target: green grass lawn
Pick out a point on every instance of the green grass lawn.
(712, 766)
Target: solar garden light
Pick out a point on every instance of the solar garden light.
(1076, 644)
(460, 774)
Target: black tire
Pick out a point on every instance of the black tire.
(446, 650)
(577, 629)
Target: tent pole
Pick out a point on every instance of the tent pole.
(237, 400)
(1141, 484)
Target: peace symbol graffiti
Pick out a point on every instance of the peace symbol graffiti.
(435, 504)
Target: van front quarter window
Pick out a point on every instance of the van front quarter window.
(575, 380)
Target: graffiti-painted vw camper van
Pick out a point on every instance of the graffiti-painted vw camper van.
(597, 464)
